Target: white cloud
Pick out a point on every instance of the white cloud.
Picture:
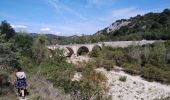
(48, 30)
(55, 32)
(123, 13)
(45, 29)
(126, 12)
(19, 26)
(61, 9)
(98, 3)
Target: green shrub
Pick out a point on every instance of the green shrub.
(59, 74)
(119, 56)
(151, 73)
(123, 78)
(132, 69)
(92, 83)
(108, 64)
(96, 52)
(5, 85)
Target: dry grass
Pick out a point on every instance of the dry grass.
(41, 89)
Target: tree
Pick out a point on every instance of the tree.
(96, 52)
(7, 55)
(5, 28)
(58, 56)
(23, 44)
(166, 11)
(39, 49)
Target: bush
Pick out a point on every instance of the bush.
(152, 73)
(91, 85)
(3, 79)
(132, 69)
(96, 52)
(8, 57)
(119, 56)
(59, 74)
(4, 84)
(122, 78)
(108, 64)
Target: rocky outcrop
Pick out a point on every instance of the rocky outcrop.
(117, 25)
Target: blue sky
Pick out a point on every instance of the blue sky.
(73, 17)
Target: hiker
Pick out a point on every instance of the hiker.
(21, 83)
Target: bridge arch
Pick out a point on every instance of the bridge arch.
(70, 52)
(82, 50)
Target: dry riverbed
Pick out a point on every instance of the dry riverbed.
(134, 88)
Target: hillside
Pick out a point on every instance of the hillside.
(149, 26)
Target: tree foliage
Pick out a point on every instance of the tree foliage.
(150, 61)
(96, 52)
(7, 30)
(39, 49)
(23, 43)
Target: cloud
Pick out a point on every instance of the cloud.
(48, 30)
(123, 13)
(45, 29)
(98, 3)
(19, 26)
(61, 9)
(56, 33)
(126, 12)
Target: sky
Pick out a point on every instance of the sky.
(73, 17)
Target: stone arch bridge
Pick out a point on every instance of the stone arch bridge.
(72, 49)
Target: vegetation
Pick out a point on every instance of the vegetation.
(96, 52)
(151, 26)
(92, 84)
(150, 61)
(122, 78)
(21, 50)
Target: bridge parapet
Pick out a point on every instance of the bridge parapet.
(124, 44)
